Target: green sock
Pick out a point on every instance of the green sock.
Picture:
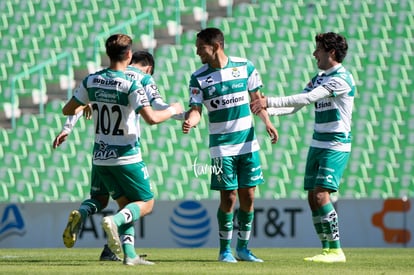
(330, 226)
(129, 214)
(319, 230)
(88, 208)
(245, 220)
(127, 236)
(225, 223)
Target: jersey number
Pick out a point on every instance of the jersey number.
(104, 121)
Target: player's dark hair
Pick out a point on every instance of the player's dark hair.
(211, 36)
(333, 41)
(117, 46)
(143, 58)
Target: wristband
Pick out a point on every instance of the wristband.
(172, 110)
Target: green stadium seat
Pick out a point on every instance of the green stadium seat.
(7, 176)
(380, 188)
(59, 160)
(198, 189)
(352, 188)
(12, 162)
(17, 148)
(273, 188)
(269, 9)
(4, 193)
(72, 191)
(46, 192)
(22, 192)
(170, 190)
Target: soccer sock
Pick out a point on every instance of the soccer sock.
(225, 223)
(128, 214)
(127, 236)
(329, 219)
(245, 220)
(89, 207)
(317, 223)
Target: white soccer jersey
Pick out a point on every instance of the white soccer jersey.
(115, 99)
(225, 94)
(333, 114)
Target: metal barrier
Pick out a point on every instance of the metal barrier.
(38, 68)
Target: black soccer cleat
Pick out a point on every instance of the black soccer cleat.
(108, 255)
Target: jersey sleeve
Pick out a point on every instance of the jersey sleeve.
(81, 93)
(254, 81)
(337, 86)
(137, 97)
(196, 94)
(151, 88)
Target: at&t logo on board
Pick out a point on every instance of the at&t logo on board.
(190, 224)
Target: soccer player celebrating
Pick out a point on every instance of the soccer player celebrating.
(115, 101)
(141, 68)
(332, 91)
(224, 85)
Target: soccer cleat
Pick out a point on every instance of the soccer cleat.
(111, 231)
(138, 260)
(70, 234)
(227, 257)
(310, 259)
(108, 255)
(245, 254)
(332, 256)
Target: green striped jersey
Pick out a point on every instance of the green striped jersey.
(333, 115)
(146, 80)
(115, 99)
(225, 94)
(150, 88)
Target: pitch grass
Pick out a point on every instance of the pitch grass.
(360, 261)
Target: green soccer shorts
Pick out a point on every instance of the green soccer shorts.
(131, 181)
(231, 173)
(324, 168)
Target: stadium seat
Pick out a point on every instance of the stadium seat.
(72, 191)
(46, 192)
(7, 176)
(4, 193)
(380, 188)
(198, 189)
(22, 192)
(352, 188)
(12, 161)
(273, 188)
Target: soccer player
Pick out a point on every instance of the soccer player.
(225, 85)
(332, 92)
(141, 68)
(115, 100)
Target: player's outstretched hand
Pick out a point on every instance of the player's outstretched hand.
(87, 112)
(258, 105)
(59, 139)
(186, 126)
(274, 135)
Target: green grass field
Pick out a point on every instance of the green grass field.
(203, 261)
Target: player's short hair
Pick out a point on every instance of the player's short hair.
(211, 36)
(143, 58)
(333, 41)
(117, 47)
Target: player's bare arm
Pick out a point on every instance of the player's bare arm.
(258, 104)
(192, 118)
(72, 107)
(264, 116)
(155, 117)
